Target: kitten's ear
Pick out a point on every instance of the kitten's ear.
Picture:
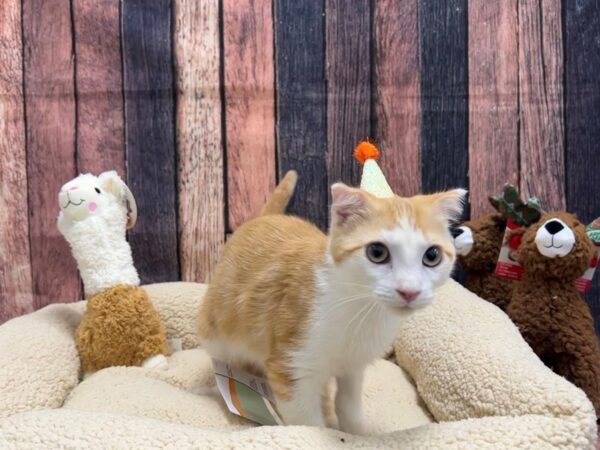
(347, 204)
(450, 203)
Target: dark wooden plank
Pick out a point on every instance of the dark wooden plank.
(541, 102)
(348, 72)
(199, 137)
(15, 263)
(99, 86)
(396, 93)
(250, 106)
(443, 63)
(148, 83)
(50, 115)
(582, 65)
(493, 100)
(301, 104)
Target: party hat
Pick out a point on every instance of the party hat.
(373, 181)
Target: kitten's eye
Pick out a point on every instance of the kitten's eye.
(378, 253)
(97, 190)
(432, 256)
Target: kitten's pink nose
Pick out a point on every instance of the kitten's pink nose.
(409, 296)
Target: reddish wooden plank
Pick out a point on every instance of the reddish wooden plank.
(100, 120)
(542, 133)
(15, 265)
(396, 92)
(50, 113)
(201, 183)
(249, 106)
(493, 100)
(348, 72)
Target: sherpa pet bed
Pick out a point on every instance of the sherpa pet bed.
(476, 385)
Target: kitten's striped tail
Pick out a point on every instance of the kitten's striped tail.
(280, 197)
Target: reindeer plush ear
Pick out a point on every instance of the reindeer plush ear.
(114, 184)
(348, 205)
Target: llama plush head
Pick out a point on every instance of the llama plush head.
(87, 196)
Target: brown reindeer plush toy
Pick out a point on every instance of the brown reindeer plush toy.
(477, 245)
(546, 306)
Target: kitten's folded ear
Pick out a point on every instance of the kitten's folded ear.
(450, 203)
(348, 205)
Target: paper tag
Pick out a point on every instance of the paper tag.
(246, 395)
(507, 267)
(585, 282)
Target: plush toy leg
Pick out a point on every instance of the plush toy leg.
(583, 370)
(156, 361)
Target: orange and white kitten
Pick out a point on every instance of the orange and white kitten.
(303, 307)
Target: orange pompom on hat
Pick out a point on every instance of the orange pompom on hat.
(373, 180)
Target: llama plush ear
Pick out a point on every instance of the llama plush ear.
(450, 203)
(347, 204)
(113, 183)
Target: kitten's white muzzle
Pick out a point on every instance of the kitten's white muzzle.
(554, 238)
(463, 240)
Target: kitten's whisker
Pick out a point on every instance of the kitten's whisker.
(347, 300)
(349, 283)
(360, 311)
(366, 315)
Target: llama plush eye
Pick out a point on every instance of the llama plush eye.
(97, 190)
(378, 253)
(432, 256)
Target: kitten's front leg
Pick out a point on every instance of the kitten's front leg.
(348, 403)
(302, 404)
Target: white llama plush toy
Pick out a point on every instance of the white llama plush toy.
(120, 325)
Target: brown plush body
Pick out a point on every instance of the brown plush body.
(119, 328)
(550, 313)
(480, 263)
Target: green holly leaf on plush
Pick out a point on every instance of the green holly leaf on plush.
(593, 231)
(510, 205)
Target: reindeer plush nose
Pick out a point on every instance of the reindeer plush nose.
(554, 226)
(456, 232)
(463, 240)
(554, 238)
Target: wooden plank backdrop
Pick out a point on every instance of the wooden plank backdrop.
(202, 106)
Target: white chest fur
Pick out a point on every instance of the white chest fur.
(348, 329)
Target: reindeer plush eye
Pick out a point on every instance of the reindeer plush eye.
(97, 190)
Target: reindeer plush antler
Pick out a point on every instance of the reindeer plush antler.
(478, 244)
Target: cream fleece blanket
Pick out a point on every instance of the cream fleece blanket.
(474, 376)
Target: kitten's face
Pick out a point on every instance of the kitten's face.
(398, 248)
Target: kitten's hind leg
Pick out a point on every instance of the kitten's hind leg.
(348, 403)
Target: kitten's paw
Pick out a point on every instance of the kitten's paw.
(293, 414)
(352, 422)
(155, 362)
